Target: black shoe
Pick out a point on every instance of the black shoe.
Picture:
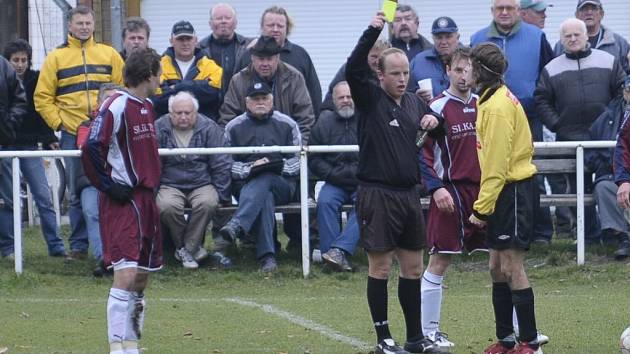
(424, 345)
(231, 231)
(337, 260)
(388, 346)
(268, 265)
(541, 241)
(101, 270)
(623, 252)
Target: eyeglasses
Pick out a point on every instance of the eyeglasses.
(504, 9)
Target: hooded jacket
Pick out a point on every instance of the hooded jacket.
(67, 88)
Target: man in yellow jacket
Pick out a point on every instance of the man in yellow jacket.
(186, 68)
(66, 95)
(505, 204)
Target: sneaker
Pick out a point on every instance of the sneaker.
(623, 252)
(440, 339)
(525, 348)
(541, 241)
(222, 260)
(268, 264)
(424, 345)
(200, 255)
(231, 231)
(61, 254)
(542, 339)
(336, 259)
(186, 258)
(388, 346)
(500, 347)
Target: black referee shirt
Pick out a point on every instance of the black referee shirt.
(387, 132)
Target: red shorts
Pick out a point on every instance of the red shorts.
(131, 232)
(452, 232)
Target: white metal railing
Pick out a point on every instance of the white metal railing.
(303, 151)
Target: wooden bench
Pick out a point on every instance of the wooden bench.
(548, 161)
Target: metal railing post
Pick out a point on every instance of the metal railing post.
(306, 260)
(17, 215)
(579, 175)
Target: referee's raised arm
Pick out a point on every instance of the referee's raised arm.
(357, 68)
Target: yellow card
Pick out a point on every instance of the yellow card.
(389, 8)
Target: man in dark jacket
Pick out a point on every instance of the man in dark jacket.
(224, 45)
(261, 181)
(135, 35)
(613, 224)
(12, 108)
(32, 134)
(338, 170)
(569, 109)
(405, 32)
(201, 181)
(275, 22)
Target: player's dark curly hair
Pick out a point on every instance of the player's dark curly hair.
(489, 65)
(16, 46)
(140, 65)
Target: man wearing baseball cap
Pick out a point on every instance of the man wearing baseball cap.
(599, 36)
(534, 12)
(186, 68)
(261, 181)
(429, 64)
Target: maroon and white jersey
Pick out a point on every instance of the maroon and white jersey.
(453, 156)
(122, 146)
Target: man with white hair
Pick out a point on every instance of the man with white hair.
(224, 45)
(599, 36)
(569, 109)
(198, 181)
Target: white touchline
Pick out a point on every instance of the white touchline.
(301, 321)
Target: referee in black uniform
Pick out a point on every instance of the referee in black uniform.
(389, 213)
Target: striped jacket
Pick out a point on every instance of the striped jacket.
(275, 129)
(68, 84)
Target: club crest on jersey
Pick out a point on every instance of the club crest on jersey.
(144, 111)
(469, 110)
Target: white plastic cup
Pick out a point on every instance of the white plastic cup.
(317, 256)
(426, 85)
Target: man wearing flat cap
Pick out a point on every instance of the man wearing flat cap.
(429, 64)
(261, 181)
(290, 95)
(186, 68)
(599, 36)
(534, 12)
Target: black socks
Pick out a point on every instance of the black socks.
(377, 301)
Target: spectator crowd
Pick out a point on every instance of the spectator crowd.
(227, 90)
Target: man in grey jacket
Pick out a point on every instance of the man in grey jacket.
(198, 181)
(290, 95)
(573, 90)
(599, 36)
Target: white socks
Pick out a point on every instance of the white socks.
(431, 302)
(125, 318)
(117, 304)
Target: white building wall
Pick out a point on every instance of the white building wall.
(328, 29)
(45, 28)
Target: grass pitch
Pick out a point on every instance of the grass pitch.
(56, 307)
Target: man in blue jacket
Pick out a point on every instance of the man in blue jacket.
(528, 51)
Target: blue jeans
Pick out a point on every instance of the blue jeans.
(329, 203)
(257, 200)
(89, 202)
(35, 175)
(78, 231)
(6, 208)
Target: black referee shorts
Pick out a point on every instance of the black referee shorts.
(390, 219)
(512, 224)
